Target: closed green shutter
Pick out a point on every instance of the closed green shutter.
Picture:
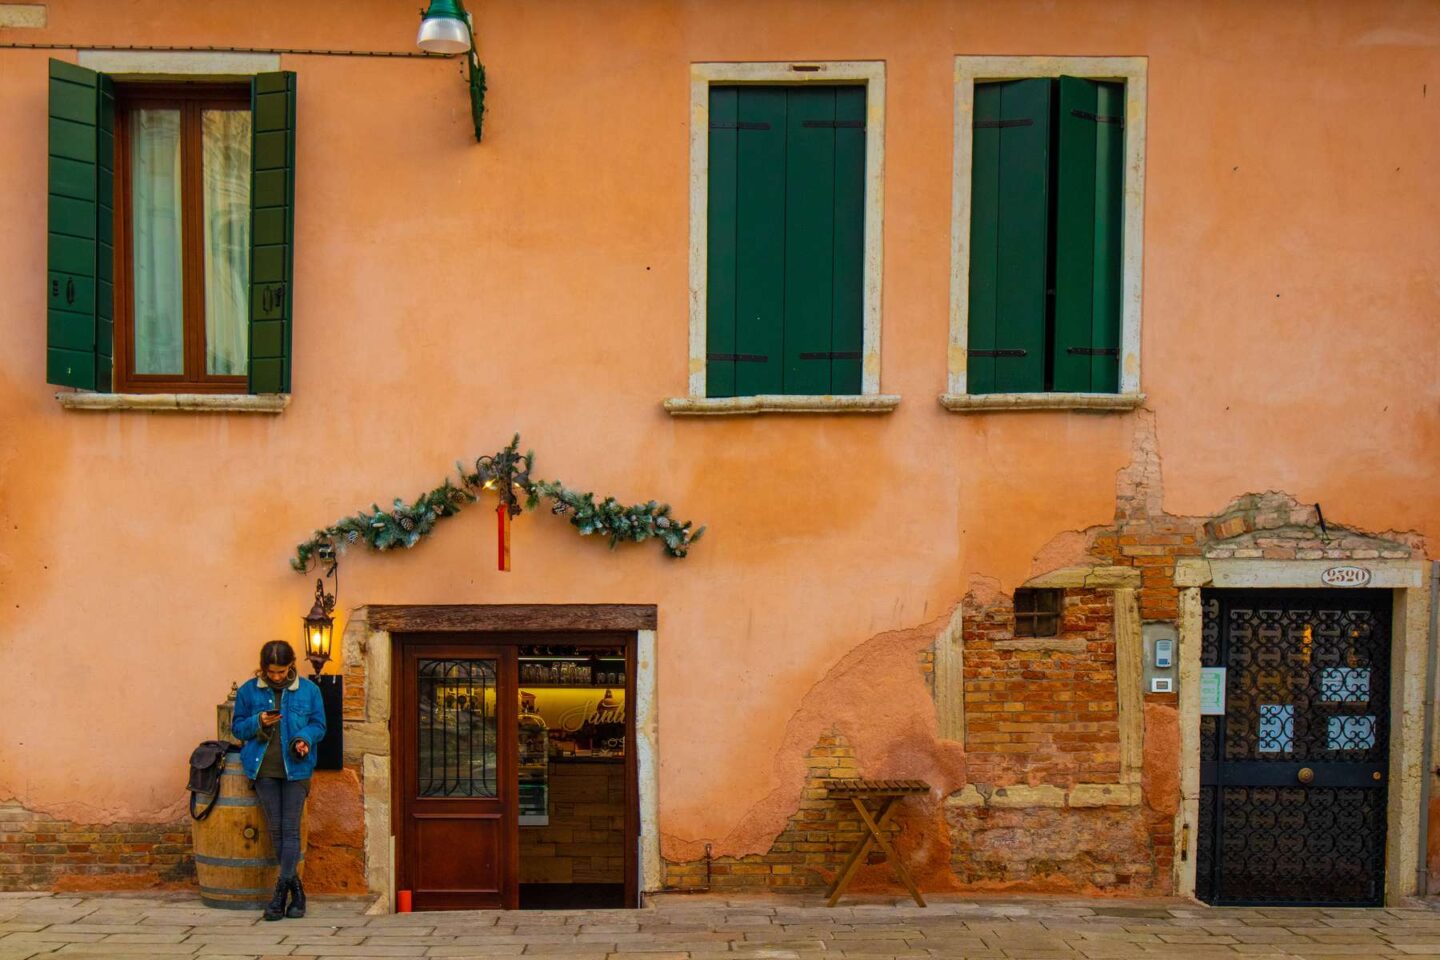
(1009, 218)
(848, 310)
(272, 230)
(80, 244)
(1089, 213)
(785, 257)
(720, 254)
(759, 240)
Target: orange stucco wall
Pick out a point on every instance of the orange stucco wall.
(450, 294)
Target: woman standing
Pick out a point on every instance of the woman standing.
(280, 718)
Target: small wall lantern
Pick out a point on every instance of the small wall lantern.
(319, 628)
(446, 28)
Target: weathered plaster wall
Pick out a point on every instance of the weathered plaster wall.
(1287, 335)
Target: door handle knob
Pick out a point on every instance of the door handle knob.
(1306, 775)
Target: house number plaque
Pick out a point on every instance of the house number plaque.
(1345, 577)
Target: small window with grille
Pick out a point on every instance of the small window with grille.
(1037, 612)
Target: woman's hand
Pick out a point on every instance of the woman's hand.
(269, 718)
(302, 749)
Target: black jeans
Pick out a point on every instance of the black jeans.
(283, 802)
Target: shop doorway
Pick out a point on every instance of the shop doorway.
(514, 771)
(1294, 747)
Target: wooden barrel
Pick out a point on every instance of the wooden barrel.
(234, 860)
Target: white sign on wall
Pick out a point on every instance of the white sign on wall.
(1345, 577)
(1212, 691)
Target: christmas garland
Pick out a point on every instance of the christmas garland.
(508, 474)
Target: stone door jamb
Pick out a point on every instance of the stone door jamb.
(1407, 581)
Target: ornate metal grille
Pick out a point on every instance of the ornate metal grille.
(1292, 795)
(457, 728)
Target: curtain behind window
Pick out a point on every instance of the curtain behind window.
(156, 237)
(226, 165)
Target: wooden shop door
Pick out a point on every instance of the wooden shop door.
(456, 793)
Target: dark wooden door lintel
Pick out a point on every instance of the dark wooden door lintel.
(473, 617)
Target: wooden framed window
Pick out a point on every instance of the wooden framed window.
(182, 243)
(1037, 612)
(171, 233)
(1047, 235)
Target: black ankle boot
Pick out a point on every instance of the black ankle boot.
(275, 909)
(297, 899)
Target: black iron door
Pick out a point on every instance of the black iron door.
(1293, 774)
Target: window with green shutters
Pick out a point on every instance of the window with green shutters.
(785, 240)
(171, 224)
(1046, 222)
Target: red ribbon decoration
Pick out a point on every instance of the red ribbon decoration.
(502, 529)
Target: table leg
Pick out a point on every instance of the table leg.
(852, 862)
(878, 830)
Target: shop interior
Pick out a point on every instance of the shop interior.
(572, 771)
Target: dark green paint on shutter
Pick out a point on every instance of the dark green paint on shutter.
(720, 244)
(1089, 215)
(1009, 237)
(785, 254)
(809, 226)
(272, 230)
(848, 289)
(80, 227)
(760, 241)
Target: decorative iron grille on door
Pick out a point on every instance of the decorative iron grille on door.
(457, 728)
(1292, 776)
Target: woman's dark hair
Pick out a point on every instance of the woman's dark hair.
(277, 653)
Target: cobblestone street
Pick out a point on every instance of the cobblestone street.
(694, 928)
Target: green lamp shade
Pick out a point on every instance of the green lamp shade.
(444, 30)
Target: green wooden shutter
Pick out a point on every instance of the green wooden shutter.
(809, 225)
(759, 240)
(824, 226)
(720, 240)
(272, 230)
(80, 247)
(1089, 213)
(786, 225)
(848, 319)
(1009, 222)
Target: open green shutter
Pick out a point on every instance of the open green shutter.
(1009, 220)
(759, 240)
(1089, 213)
(272, 230)
(80, 244)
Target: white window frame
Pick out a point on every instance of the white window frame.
(871, 73)
(968, 72)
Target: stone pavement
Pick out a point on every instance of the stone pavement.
(679, 927)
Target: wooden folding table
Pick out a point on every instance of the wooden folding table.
(888, 793)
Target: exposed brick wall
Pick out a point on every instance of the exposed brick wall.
(812, 846)
(1051, 849)
(41, 853)
(1042, 715)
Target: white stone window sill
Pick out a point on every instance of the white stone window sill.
(176, 402)
(780, 403)
(990, 402)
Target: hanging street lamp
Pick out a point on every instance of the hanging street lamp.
(319, 628)
(446, 28)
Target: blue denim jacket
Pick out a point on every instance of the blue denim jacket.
(302, 717)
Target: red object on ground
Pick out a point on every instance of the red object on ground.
(402, 901)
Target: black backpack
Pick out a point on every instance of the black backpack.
(207, 762)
